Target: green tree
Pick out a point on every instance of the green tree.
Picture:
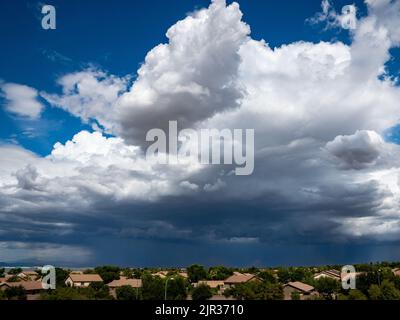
(365, 280)
(137, 273)
(374, 274)
(386, 291)
(267, 276)
(294, 274)
(128, 293)
(300, 274)
(89, 271)
(127, 273)
(15, 293)
(219, 273)
(196, 273)
(256, 291)
(270, 291)
(352, 295)
(327, 287)
(202, 292)
(15, 271)
(176, 288)
(2, 272)
(252, 270)
(152, 287)
(356, 295)
(66, 293)
(374, 292)
(284, 275)
(61, 276)
(342, 296)
(389, 291)
(295, 295)
(396, 282)
(99, 291)
(14, 279)
(108, 273)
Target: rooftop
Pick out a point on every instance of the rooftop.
(85, 277)
(238, 277)
(123, 281)
(27, 285)
(300, 286)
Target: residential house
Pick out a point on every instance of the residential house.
(28, 275)
(396, 272)
(32, 288)
(238, 278)
(124, 281)
(305, 291)
(82, 280)
(333, 274)
(164, 273)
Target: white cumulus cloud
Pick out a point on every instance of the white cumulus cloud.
(21, 100)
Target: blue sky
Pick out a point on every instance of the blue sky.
(323, 102)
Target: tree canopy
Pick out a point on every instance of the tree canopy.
(327, 287)
(196, 273)
(128, 293)
(202, 292)
(254, 290)
(108, 273)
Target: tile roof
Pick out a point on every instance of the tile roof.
(123, 281)
(27, 285)
(85, 277)
(30, 273)
(300, 286)
(238, 277)
(329, 273)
